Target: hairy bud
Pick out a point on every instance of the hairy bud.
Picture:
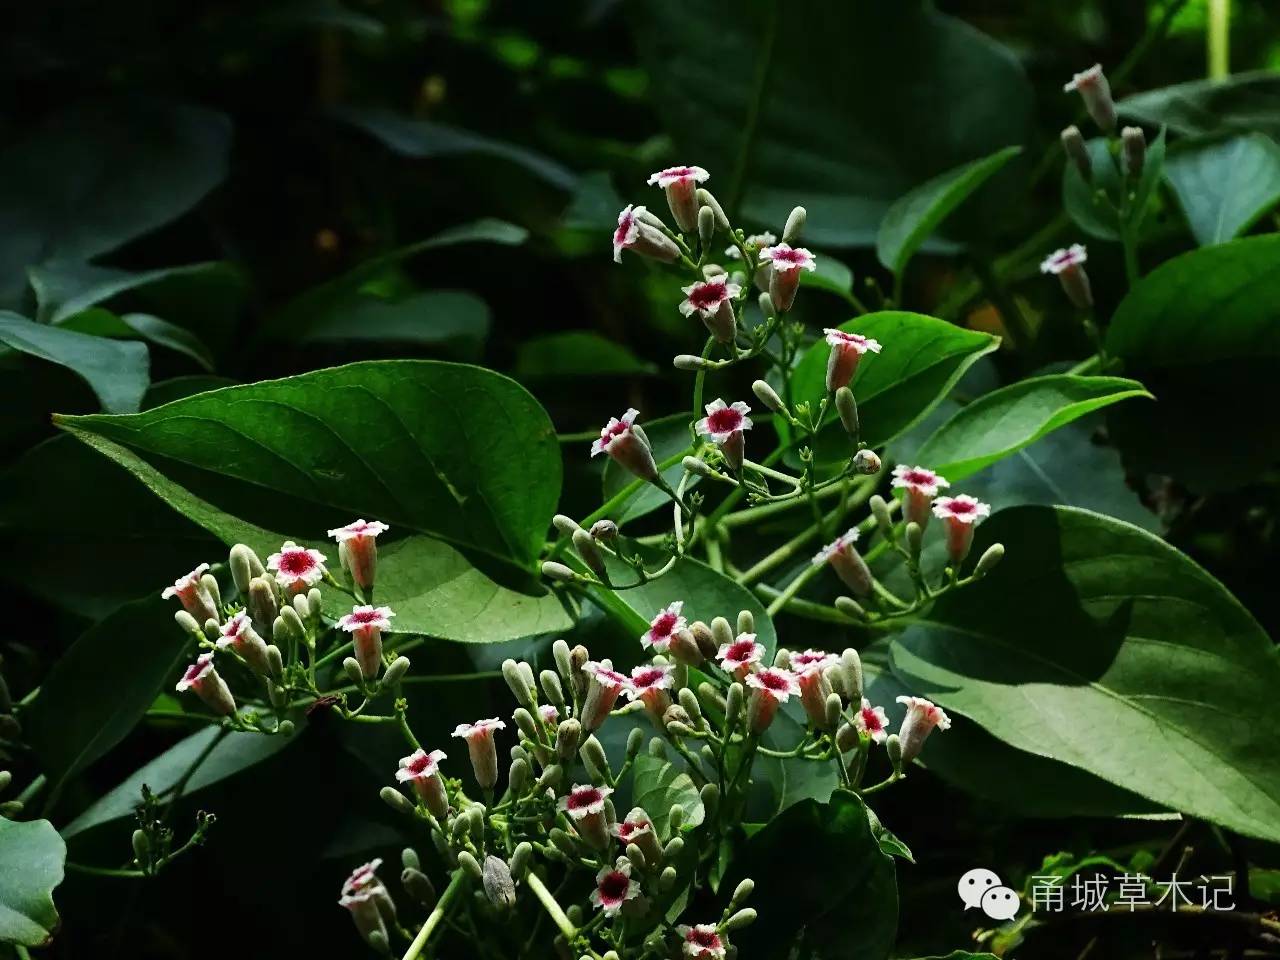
(499, 886)
(418, 886)
(1135, 150)
(988, 561)
(1077, 152)
(768, 396)
(565, 524)
(395, 673)
(520, 858)
(559, 572)
(245, 565)
(851, 608)
(396, 800)
(795, 225)
(590, 553)
(884, 519)
(707, 200)
(470, 864)
(689, 363)
(847, 407)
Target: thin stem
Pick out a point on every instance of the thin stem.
(550, 904)
(856, 498)
(1218, 39)
(120, 874)
(803, 577)
(424, 934)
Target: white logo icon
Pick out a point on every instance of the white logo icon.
(981, 888)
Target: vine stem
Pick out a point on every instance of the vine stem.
(550, 904)
(424, 934)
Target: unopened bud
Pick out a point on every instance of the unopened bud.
(585, 544)
(795, 225)
(245, 565)
(528, 726)
(696, 466)
(209, 584)
(518, 776)
(768, 396)
(419, 887)
(884, 518)
(706, 226)
(746, 622)
(667, 879)
(851, 671)
(847, 407)
(742, 893)
(707, 200)
(1135, 150)
(291, 626)
(710, 794)
(733, 705)
(568, 736)
(1077, 152)
(833, 708)
(893, 749)
(689, 700)
(711, 698)
(684, 649)
(565, 524)
(866, 462)
(846, 737)
(636, 856)
(352, 667)
(6, 778)
(275, 662)
(657, 749)
(141, 848)
(261, 603)
(470, 864)
(782, 658)
(851, 608)
(396, 800)
(675, 846)
(593, 756)
(722, 632)
(285, 728)
(766, 306)
(550, 778)
(554, 692)
(915, 538)
(395, 673)
(689, 363)
(635, 742)
(705, 638)
(678, 728)
(987, 562)
(563, 660)
(558, 571)
(605, 530)
(211, 630)
(516, 680)
(314, 603)
(499, 886)
(188, 624)
(563, 841)
(743, 918)
(520, 858)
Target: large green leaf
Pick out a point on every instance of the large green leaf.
(100, 688)
(100, 174)
(1004, 421)
(1225, 187)
(657, 785)
(803, 101)
(103, 323)
(1199, 331)
(64, 288)
(434, 588)
(33, 856)
(117, 372)
(1243, 103)
(918, 213)
(921, 360)
(843, 898)
(1099, 645)
(452, 320)
(455, 451)
(233, 754)
(577, 353)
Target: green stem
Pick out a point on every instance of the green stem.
(803, 577)
(121, 874)
(856, 498)
(550, 904)
(424, 934)
(1218, 39)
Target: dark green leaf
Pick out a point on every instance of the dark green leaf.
(577, 353)
(1092, 618)
(117, 372)
(1243, 103)
(1199, 332)
(100, 688)
(819, 122)
(103, 323)
(1225, 187)
(33, 856)
(450, 319)
(1004, 421)
(915, 215)
(889, 843)
(1094, 205)
(64, 288)
(423, 445)
(831, 275)
(657, 785)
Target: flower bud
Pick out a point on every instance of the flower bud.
(593, 756)
(209, 584)
(419, 887)
(520, 858)
(302, 607)
(562, 657)
(6, 778)
(395, 673)
(635, 854)
(675, 819)
(915, 538)
(396, 800)
(578, 658)
(710, 697)
(987, 562)
(722, 632)
(245, 565)
(706, 226)
(291, 624)
(707, 200)
(884, 519)
(470, 864)
(678, 728)
(285, 728)
(893, 750)
(528, 726)
(550, 682)
(635, 741)
(585, 544)
(275, 662)
(564, 524)
(706, 638)
(851, 608)
(795, 225)
(684, 649)
(550, 778)
(766, 306)
(851, 675)
(667, 879)
(1077, 152)
(188, 624)
(846, 737)
(833, 707)
(516, 680)
(733, 705)
(696, 466)
(657, 749)
(689, 363)
(768, 396)
(211, 629)
(352, 667)
(847, 407)
(746, 622)
(742, 893)
(558, 571)
(1135, 150)
(710, 794)
(141, 848)
(743, 918)
(689, 701)
(1095, 91)
(499, 886)
(261, 603)
(568, 736)
(564, 842)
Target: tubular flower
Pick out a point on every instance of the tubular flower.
(204, 679)
(846, 351)
(712, 300)
(961, 513)
(1095, 91)
(369, 903)
(681, 186)
(770, 686)
(922, 716)
(663, 627)
(872, 721)
(650, 683)
(422, 769)
(784, 279)
(239, 635)
(725, 423)
(614, 887)
(739, 657)
(847, 562)
(195, 599)
(701, 942)
(584, 805)
(548, 714)
(637, 828)
(919, 486)
(810, 667)
(481, 748)
(633, 233)
(366, 624)
(627, 444)
(603, 690)
(1067, 265)
(358, 549)
(297, 569)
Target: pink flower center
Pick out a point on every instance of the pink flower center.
(788, 258)
(664, 623)
(800, 661)
(678, 172)
(773, 681)
(961, 508)
(296, 562)
(740, 651)
(1062, 260)
(627, 829)
(724, 421)
(365, 616)
(922, 478)
(703, 938)
(420, 764)
(648, 678)
(614, 886)
(704, 296)
(581, 799)
(616, 430)
(871, 720)
(624, 228)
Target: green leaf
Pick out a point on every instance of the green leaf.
(33, 856)
(577, 353)
(117, 372)
(1243, 103)
(669, 436)
(65, 288)
(434, 588)
(103, 323)
(446, 319)
(843, 900)
(889, 843)
(1094, 204)
(657, 786)
(1225, 187)
(921, 360)
(233, 754)
(818, 121)
(915, 215)
(1090, 618)
(446, 449)
(831, 275)
(424, 140)
(98, 175)
(1004, 421)
(1199, 332)
(101, 687)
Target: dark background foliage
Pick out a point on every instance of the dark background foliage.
(312, 137)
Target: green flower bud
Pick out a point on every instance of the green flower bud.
(706, 226)
(795, 225)
(705, 638)
(518, 776)
(915, 539)
(710, 794)
(743, 918)
(352, 667)
(884, 519)
(733, 705)
(846, 737)
(245, 565)
(553, 690)
(409, 858)
(893, 748)
(590, 553)
(711, 699)
(721, 632)
(635, 740)
(568, 736)
(667, 879)
(396, 800)
(188, 625)
(766, 306)
(288, 627)
(418, 886)
(676, 819)
(558, 571)
(742, 893)
(675, 846)
(261, 603)
(697, 467)
(746, 622)
(769, 397)
(689, 700)
(847, 407)
(562, 657)
(657, 749)
(594, 757)
(677, 728)
(987, 562)
(706, 200)
(1135, 150)
(520, 859)
(1074, 146)
(285, 728)
(470, 864)
(565, 524)
(141, 848)
(636, 856)
(395, 673)
(275, 662)
(851, 669)
(499, 886)
(834, 706)
(302, 607)
(550, 778)
(211, 631)
(851, 608)
(690, 364)
(210, 585)
(563, 842)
